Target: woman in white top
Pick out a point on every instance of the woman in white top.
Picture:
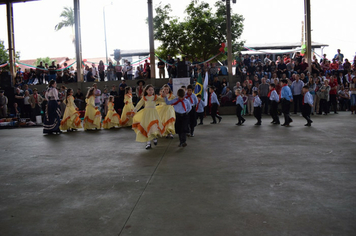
(53, 112)
(27, 105)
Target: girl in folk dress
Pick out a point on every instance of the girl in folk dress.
(146, 123)
(92, 117)
(127, 112)
(112, 119)
(71, 120)
(166, 113)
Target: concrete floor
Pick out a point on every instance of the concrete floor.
(229, 180)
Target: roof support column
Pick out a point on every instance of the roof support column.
(11, 38)
(78, 41)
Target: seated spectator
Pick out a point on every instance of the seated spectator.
(137, 73)
(227, 97)
(18, 102)
(334, 66)
(303, 66)
(223, 70)
(3, 104)
(217, 85)
(25, 87)
(18, 80)
(35, 101)
(224, 81)
(27, 105)
(237, 86)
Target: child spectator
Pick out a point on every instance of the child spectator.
(307, 104)
(239, 106)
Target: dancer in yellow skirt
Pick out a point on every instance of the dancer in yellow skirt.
(166, 113)
(112, 119)
(127, 112)
(71, 120)
(92, 117)
(146, 123)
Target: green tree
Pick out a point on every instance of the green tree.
(199, 34)
(67, 21)
(4, 55)
(44, 60)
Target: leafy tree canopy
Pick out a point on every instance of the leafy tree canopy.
(199, 34)
(4, 55)
(67, 19)
(44, 60)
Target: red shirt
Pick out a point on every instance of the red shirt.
(333, 84)
(334, 66)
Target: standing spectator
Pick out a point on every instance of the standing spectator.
(173, 71)
(298, 57)
(59, 77)
(90, 77)
(237, 86)
(39, 72)
(129, 71)
(318, 85)
(324, 96)
(297, 87)
(35, 101)
(101, 69)
(137, 73)
(161, 66)
(339, 56)
(94, 71)
(26, 105)
(118, 70)
(333, 92)
(170, 62)
(344, 99)
(213, 71)
(115, 94)
(353, 95)
(139, 89)
(3, 104)
(263, 90)
(110, 72)
(52, 71)
(250, 97)
(18, 102)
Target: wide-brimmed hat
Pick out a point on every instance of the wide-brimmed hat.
(138, 82)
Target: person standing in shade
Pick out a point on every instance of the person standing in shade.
(286, 99)
(333, 92)
(52, 71)
(101, 69)
(35, 101)
(263, 90)
(3, 104)
(297, 87)
(213, 104)
(161, 66)
(307, 105)
(129, 71)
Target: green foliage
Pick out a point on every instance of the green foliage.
(4, 55)
(199, 35)
(68, 18)
(44, 60)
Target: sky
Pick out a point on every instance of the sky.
(273, 21)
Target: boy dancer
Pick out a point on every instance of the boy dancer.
(213, 104)
(307, 105)
(286, 99)
(200, 109)
(257, 110)
(274, 98)
(190, 96)
(239, 107)
(182, 107)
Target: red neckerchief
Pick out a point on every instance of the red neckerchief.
(269, 94)
(190, 97)
(180, 101)
(196, 109)
(35, 97)
(140, 91)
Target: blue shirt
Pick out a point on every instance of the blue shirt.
(297, 87)
(214, 99)
(286, 93)
(223, 70)
(200, 106)
(240, 101)
(179, 108)
(192, 99)
(257, 101)
(308, 99)
(274, 96)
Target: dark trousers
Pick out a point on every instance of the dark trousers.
(265, 101)
(200, 115)
(238, 113)
(102, 75)
(274, 111)
(257, 112)
(297, 99)
(118, 75)
(323, 106)
(27, 111)
(181, 126)
(285, 110)
(192, 120)
(306, 110)
(213, 112)
(35, 112)
(333, 102)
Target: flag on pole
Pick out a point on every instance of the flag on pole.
(205, 88)
(199, 86)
